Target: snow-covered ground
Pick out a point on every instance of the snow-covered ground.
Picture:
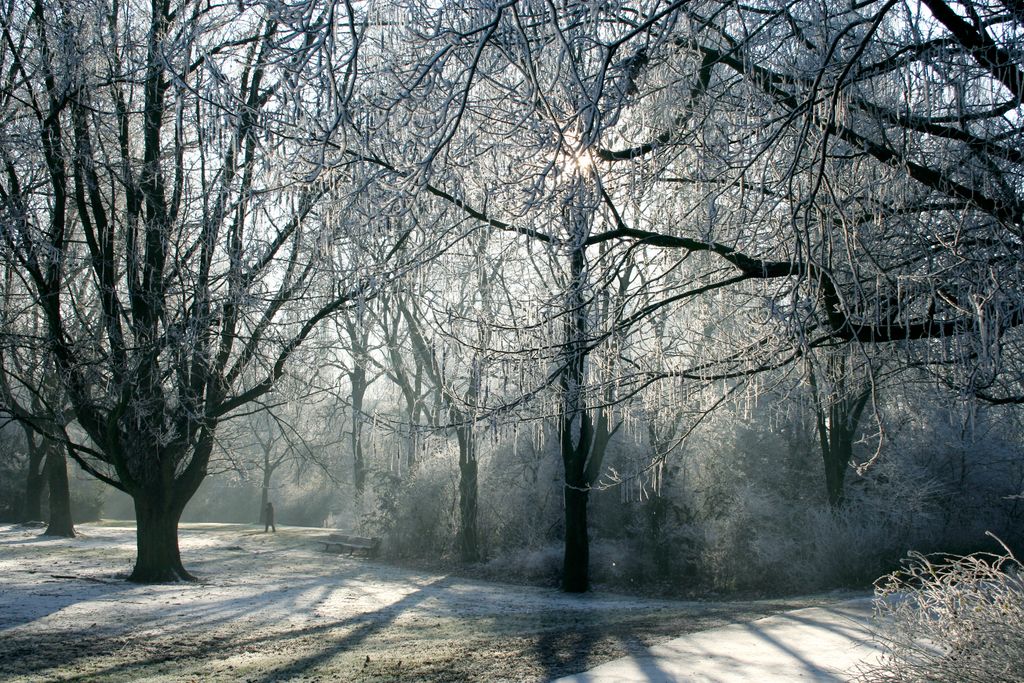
(274, 607)
(813, 644)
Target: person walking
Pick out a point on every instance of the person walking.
(268, 518)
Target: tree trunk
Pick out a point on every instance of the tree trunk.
(358, 380)
(33, 509)
(414, 409)
(834, 475)
(264, 497)
(837, 457)
(582, 447)
(158, 559)
(56, 469)
(268, 473)
(469, 544)
(837, 423)
(576, 562)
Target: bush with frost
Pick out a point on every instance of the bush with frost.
(954, 619)
(415, 514)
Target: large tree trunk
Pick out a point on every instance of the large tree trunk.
(581, 441)
(159, 503)
(60, 494)
(34, 480)
(158, 559)
(576, 561)
(469, 544)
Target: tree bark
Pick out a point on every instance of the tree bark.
(56, 469)
(264, 497)
(837, 419)
(158, 560)
(576, 561)
(469, 542)
(268, 474)
(582, 446)
(837, 456)
(34, 479)
(359, 385)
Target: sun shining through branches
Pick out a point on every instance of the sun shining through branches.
(690, 288)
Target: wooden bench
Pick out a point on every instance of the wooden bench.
(352, 544)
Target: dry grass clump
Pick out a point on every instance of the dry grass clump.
(956, 619)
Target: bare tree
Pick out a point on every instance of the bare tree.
(408, 372)
(841, 174)
(359, 371)
(455, 361)
(838, 408)
(31, 394)
(161, 200)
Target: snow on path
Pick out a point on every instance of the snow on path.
(294, 579)
(813, 644)
(274, 607)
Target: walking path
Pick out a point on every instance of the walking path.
(813, 644)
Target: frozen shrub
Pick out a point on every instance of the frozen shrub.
(614, 563)
(850, 546)
(773, 544)
(415, 514)
(520, 498)
(957, 619)
(538, 565)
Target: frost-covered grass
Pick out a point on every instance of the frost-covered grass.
(957, 619)
(274, 607)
